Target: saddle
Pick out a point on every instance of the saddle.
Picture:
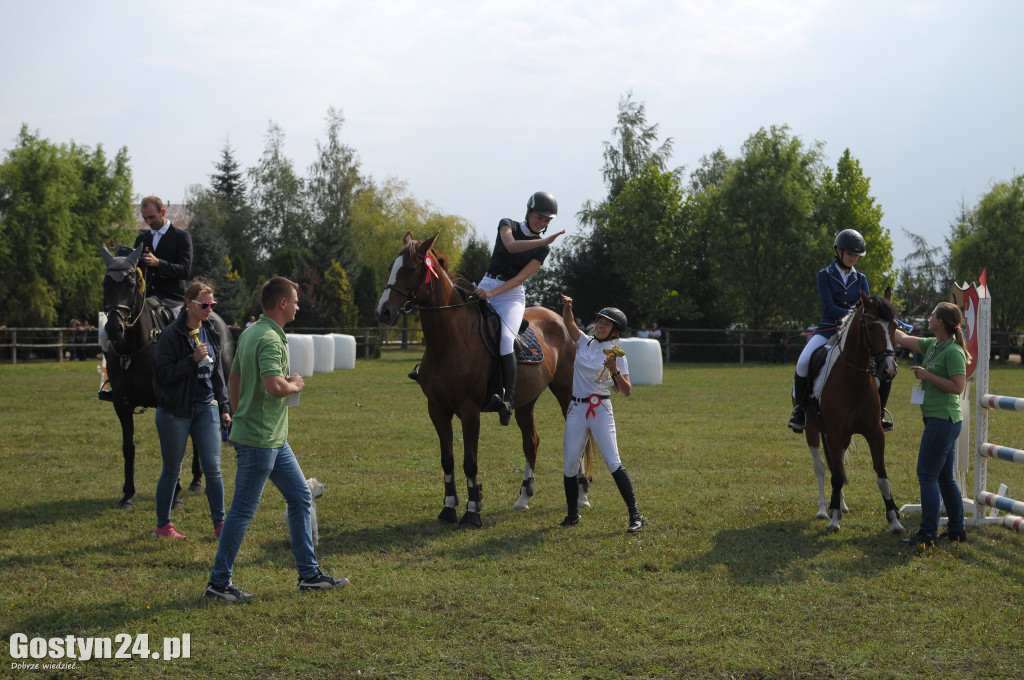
(822, 361)
(161, 312)
(527, 347)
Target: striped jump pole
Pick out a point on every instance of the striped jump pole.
(983, 449)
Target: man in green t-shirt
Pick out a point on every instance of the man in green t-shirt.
(258, 386)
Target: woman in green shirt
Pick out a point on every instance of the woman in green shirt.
(943, 376)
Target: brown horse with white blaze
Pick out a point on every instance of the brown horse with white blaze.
(849, 404)
(455, 367)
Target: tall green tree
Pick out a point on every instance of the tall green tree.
(924, 278)
(704, 212)
(476, 257)
(58, 204)
(770, 245)
(845, 202)
(280, 214)
(234, 219)
(991, 237)
(334, 180)
(648, 230)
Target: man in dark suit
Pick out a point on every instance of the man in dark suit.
(167, 264)
(167, 255)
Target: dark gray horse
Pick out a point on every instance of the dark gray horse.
(133, 325)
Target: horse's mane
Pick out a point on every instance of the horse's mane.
(881, 308)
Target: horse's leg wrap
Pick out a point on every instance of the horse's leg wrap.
(583, 485)
(892, 513)
(451, 501)
(526, 491)
(473, 506)
(819, 473)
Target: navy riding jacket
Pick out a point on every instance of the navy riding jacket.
(837, 297)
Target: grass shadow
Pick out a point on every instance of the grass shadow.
(790, 551)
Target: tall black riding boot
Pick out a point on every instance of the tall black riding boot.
(636, 520)
(572, 497)
(508, 382)
(884, 387)
(798, 418)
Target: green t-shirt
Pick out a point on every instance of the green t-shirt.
(945, 361)
(261, 419)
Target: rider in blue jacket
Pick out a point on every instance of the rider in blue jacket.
(839, 287)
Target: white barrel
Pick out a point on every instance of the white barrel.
(323, 354)
(643, 356)
(344, 351)
(300, 354)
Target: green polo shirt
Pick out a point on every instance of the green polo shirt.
(945, 361)
(261, 419)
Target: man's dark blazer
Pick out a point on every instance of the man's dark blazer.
(167, 280)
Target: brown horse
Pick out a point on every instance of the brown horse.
(454, 371)
(848, 404)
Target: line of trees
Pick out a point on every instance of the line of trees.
(735, 241)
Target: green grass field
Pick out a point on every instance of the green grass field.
(732, 577)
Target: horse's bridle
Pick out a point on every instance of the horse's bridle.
(129, 315)
(877, 357)
(410, 297)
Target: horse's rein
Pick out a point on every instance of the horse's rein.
(876, 356)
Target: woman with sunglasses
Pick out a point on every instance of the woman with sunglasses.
(192, 400)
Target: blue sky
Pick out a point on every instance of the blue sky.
(478, 104)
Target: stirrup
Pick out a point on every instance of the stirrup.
(504, 412)
(887, 424)
(414, 374)
(796, 425)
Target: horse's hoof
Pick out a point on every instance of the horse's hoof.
(195, 487)
(448, 515)
(521, 504)
(832, 529)
(471, 520)
(822, 514)
(898, 530)
(178, 504)
(126, 504)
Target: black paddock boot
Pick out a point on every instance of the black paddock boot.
(414, 374)
(798, 418)
(884, 387)
(572, 497)
(508, 382)
(636, 520)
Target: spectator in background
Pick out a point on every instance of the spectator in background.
(780, 345)
(655, 332)
(643, 332)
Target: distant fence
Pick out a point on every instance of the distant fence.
(692, 345)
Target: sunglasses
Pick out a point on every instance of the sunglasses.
(205, 305)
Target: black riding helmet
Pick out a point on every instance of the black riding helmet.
(616, 316)
(543, 204)
(852, 242)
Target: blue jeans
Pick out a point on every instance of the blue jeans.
(935, 461)
(255, 467)
(204, 427)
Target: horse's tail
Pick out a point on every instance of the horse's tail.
(588, 458)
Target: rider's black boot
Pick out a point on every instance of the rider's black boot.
(636, 520)
(798, 418)
(508, 380)
(572, 497)
(884, 388)
(414, 374)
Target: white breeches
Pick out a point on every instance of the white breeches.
(601, 424)
(510, 306)
(816, 341)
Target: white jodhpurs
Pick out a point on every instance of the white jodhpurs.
(510, 306)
